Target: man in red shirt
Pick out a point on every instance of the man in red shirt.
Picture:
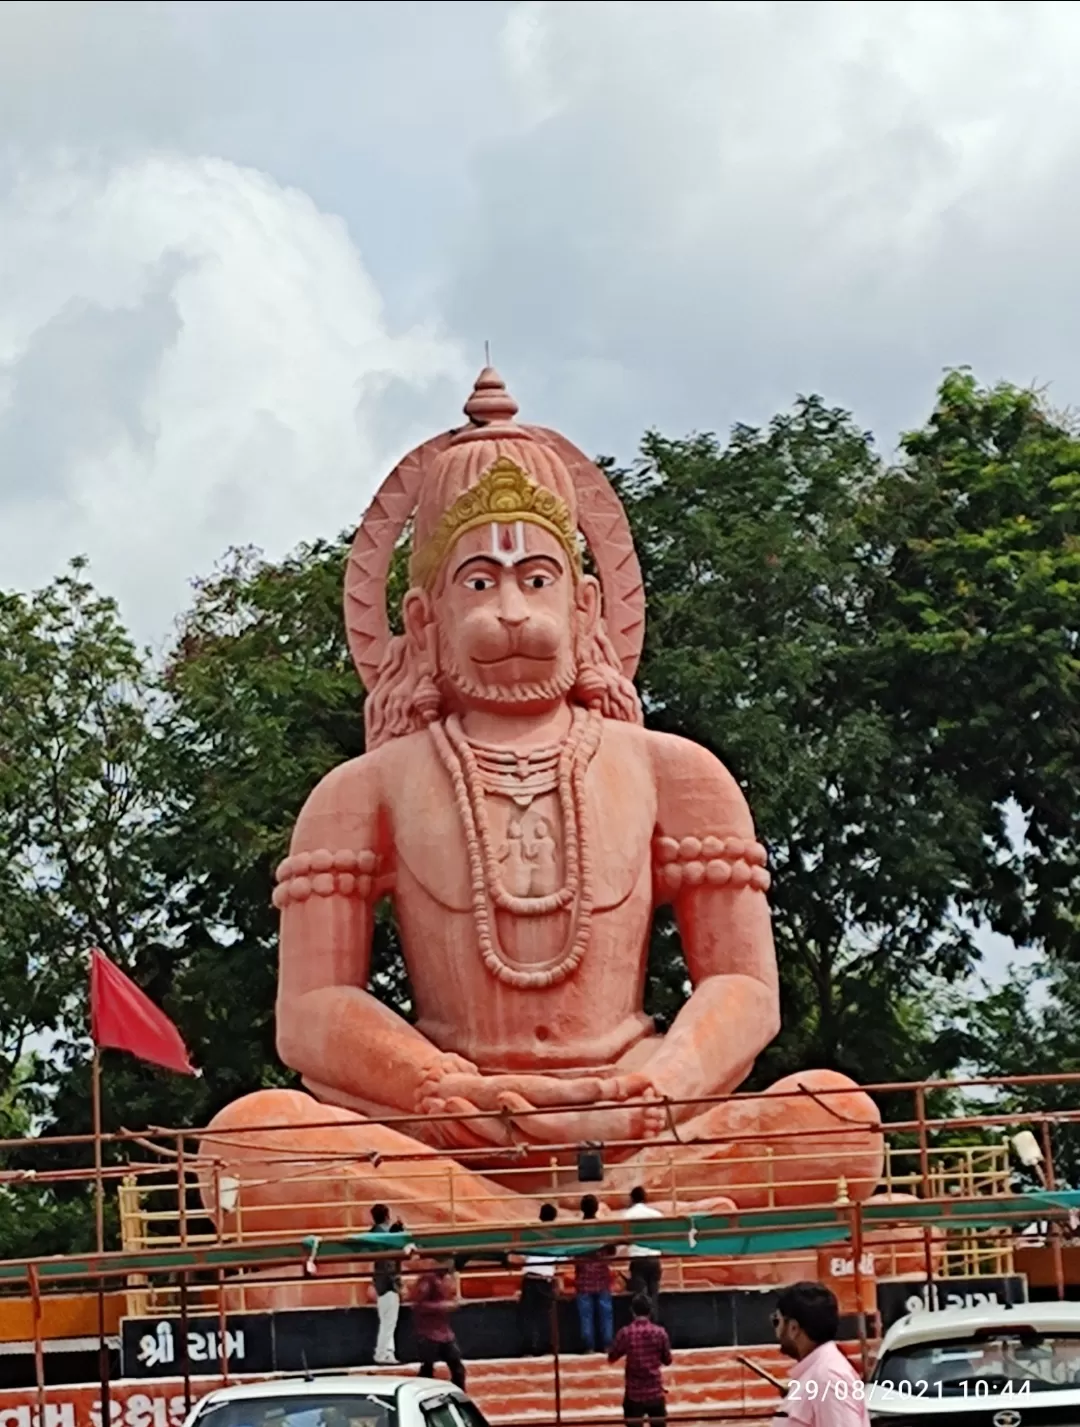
(434, 1298)
(646, 1348)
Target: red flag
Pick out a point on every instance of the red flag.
(124, 1018)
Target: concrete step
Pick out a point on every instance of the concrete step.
(709, 1380)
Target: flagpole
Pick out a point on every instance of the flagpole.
(99, 1174)
(99, 1224)
(122, 1017)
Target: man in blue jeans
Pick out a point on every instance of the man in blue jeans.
(592, 1288)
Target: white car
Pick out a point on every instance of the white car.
(360, 1400)
(1002, 1366)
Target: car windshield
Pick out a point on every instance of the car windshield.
(310, 1410)
(996, 1360)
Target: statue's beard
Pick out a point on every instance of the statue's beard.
(410, 692)
(463, 687)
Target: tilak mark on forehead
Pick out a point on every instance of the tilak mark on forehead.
(508, 543)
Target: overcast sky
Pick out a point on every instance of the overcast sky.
(250, 252)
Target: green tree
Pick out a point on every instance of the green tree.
(255, 702)
(978, 613)
(1031, 1026)
(761, 581)
(76, 804)
(79, 809)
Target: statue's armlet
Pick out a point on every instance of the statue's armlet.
(326, 873)
(709, 861)
(704, 834)
(339, 846)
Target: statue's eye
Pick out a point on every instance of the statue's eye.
(479, 583)
(538, 580)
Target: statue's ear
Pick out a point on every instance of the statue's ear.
(419, 616)
(588, 602)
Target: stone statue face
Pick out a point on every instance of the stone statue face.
(506, 616)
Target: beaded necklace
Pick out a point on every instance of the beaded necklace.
(473, 770)
(521, 777)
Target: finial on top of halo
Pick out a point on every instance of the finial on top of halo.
(490, 404)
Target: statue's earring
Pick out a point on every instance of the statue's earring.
(426, 699)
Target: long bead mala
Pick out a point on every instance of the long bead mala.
(525, 906)
(487, 889)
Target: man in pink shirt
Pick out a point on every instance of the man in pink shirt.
(824, 1390)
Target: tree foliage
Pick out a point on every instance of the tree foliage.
(78, 808)
(979, 617)
(762, 577)
(80, 826)
(1030, 1026)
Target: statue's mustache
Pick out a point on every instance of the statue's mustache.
(532, 639)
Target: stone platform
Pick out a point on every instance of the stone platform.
(343, 1339)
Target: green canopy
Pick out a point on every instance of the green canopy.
(764, 1231)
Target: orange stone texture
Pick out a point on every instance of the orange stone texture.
(526, 827)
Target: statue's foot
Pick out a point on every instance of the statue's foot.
(775, 1149)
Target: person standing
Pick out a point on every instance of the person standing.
(538, 1292)
(592, 1288)
(434, 1298)
(387, 1281)
(806, 1321)
(644, 1263)
(647, 1349)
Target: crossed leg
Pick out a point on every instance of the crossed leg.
(776, 1148)
(283, 1163)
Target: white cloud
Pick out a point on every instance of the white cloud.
(193, 356)
(677, 214)
(735, 202)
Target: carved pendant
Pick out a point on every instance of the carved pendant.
(529, 858)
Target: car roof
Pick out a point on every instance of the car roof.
(344, 1384)
(932, 1324)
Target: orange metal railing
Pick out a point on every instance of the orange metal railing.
(158, 1187)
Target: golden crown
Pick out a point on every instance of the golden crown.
(504, 493)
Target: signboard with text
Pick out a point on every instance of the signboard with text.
(152, 1347)
(159, 1404)
(899, 1296)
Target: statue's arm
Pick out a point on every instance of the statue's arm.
(708, 864)
(328, 1027)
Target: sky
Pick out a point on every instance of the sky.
(250, 252)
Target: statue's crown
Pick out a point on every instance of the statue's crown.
(491, 470)
(504, 493)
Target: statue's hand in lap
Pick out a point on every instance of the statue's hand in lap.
(468, 1096)
(502, 1092)
(610, 1120)
(585, 1098)
(541, 1091)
